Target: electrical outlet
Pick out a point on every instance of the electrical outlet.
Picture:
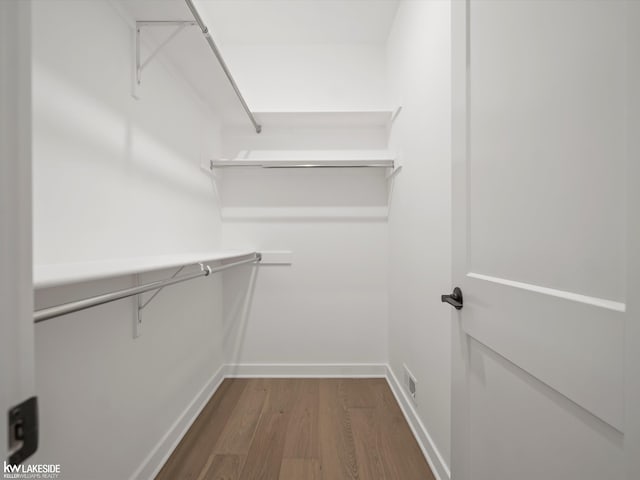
(410, 382)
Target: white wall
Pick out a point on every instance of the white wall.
(324, 76)
(330, 305)
(419, 222)
(115, 177)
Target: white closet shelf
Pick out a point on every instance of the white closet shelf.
(309, 159)
(176, 30)
(303, 163)
(53, 275)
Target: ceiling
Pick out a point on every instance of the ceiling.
(247, 22)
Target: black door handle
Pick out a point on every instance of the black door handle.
(455, 299)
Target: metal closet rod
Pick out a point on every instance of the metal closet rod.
(223, 64)
(302, 163)
(64, 309)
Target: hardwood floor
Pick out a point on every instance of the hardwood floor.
(299, 429)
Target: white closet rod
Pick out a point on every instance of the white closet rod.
(223, 64)
(64, 309)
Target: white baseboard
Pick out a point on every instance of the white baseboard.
(301, 370)
(169, 441)
(428, 447)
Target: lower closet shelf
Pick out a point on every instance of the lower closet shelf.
(53, 275)
(155, 286)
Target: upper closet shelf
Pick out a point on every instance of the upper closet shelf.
(69, 273)
(179, 30)
(309, 159)
(303, 163)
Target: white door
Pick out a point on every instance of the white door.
(545, 210)
(16, 294)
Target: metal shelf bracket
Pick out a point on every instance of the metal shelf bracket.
(397, 167)
(141, 63)
(141, 304)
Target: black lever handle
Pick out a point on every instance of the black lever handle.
(455, 299)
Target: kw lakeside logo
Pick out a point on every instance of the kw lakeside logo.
(35, 471)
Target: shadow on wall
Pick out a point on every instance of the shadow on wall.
(294, 188)
(239, 287)
(94, 132)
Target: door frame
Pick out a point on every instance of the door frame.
(16, 286)
(460, 418)
(632, 327)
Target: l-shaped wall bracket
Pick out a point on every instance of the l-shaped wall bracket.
(397, 164)
(140, 63)
(140, 303)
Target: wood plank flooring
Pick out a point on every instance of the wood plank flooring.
(299, 429)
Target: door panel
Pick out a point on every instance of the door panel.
(573, 347)
(547, 147)
(540, 208)
(547, 144)
(507, 403)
